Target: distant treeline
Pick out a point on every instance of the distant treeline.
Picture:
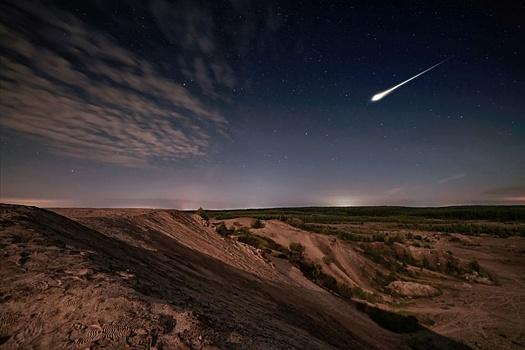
(500, 230)
(385, 213)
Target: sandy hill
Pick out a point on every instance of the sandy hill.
(133, 278)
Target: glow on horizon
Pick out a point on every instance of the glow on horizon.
(342, 202)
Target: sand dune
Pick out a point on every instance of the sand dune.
(162, 279)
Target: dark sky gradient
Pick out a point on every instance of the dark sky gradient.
(258, 104)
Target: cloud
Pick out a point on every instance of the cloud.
(191, 29)
(84, 95)
(451, 178)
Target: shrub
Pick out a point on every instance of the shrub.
(328, 258)
(395, 238)
(452, 267)
(362, 294)
(474, 266)
(344, 290)
(405, 257)
(296, 252)
(294, 222)
(252, 240)
(257, 224)
(202, 213)
(380, 237)
(223, 230)
(372, 253)
(242, 231)
(425, 263)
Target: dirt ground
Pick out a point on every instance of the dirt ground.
(483, 316)
(163, 279)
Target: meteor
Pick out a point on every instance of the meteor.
(382, 94)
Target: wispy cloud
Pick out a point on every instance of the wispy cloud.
(86, 96)
(191, 29)
(451, 178)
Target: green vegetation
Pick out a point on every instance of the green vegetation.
(328, 258)
(244, 235)
(223, 230)
(514, 213)
(268, 245)
(495, 229)
(502, 221)
(394, 260)
(314, 272)
(296, 252)
(386, 249)
(397, 259)
(202, 213)
(257, 224)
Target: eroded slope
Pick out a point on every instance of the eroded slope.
(65, 285)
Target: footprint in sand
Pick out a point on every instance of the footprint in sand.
(88, 335)
(115, 332)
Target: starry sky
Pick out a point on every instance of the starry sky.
(236, 104)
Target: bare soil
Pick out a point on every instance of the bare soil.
(163, 279)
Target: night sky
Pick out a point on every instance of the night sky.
(261, 104)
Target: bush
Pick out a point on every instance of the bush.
(452, 267)
(372, 254)
(252, 240)
(344, 291)
(328, 258)
(203, 214)
(244, 235)
(296, 252)
(391, 239)
(242, 231)
(223, 230)
(474, 266)
(425, 263)
(362, 294)
(257, 224)
(294, 222)
(379, 237)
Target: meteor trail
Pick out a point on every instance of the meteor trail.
(382, 94)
